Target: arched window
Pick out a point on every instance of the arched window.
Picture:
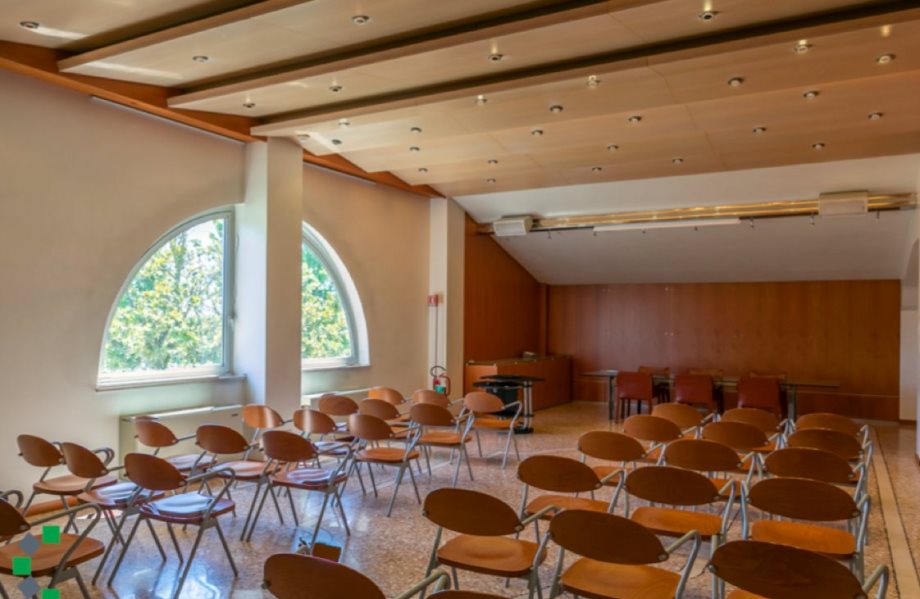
(333, 330)
(171, 317)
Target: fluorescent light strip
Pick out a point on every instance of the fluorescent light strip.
(668, 224)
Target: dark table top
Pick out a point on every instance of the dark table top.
(727, 380)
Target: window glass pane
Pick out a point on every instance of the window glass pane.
(171, 316)
(325, 332)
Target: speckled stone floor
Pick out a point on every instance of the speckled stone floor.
(394, 551)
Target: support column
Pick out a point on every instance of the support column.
(445, 268)
(267, 323)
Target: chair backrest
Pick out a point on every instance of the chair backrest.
(387, 394)
(651, 428)
(314, 422)
(220, 440)
(152, 472)
(606, 537)
(611, 446)
(429, 414)
(634, 385)
(682, 415)
(803, 499)
(470, 512)
(772, 570)
(671, 486)
(12, 522)
(557, 474)
(807, 462)
(153, 433)
(762, 419)
(261, 417)
(841, 444)
(480, 402)
(288, 447)
(431, 396)
(369, 428)
(759, 392)
(39, 452)
(82, 462)
(827, 420)
(712, 373)
(378, 407)
(693, 389)
(701, 455)
(737, 435)
(337, 405)
(294, 576)
(656, 370)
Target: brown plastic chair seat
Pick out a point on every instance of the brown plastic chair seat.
(486, 422)
(244, 469)
(185, 508)
(601, 580)
(446, 438)
(69, 484)
(671, 522)
(602, 471)
(832, 542)
(564, 502)
(185, 462)
(499, 556)
(309, 478)
(386, 455)
(115, 496)
(47, 558)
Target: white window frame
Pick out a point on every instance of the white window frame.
(121, 379)
(349, 299)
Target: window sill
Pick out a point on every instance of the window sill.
(137, 384)
(329, 367)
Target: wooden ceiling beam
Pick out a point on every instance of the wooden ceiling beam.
(41, 63)
(851, 19)
(493, 25)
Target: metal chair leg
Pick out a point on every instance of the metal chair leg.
(415, 486)
(124, 550)
(156, 539)
(514, 442)
(223, 541)
(370, 470)
(255, 518)
(507, 448)
(188, 564)
(399, 477)
(83, 590)
(479, 443)
(457, 468)
(319, 520)
(342, 511)
(175, 542)
(252, 507)
(290, 496)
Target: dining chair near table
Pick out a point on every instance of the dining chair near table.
(634, 387)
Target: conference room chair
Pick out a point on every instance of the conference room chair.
(834, 422)
(695, 390)
(488, 416)
(438, 429)
(368, 430)
(766, 421)
(802, 503)
(56, 561)
(616, 557)
(740, 436)
(634, 387)
(816, 464)
(154, 434)
(760, 392)
(337, 406)
(653, 431)
(686, 417)
(41, 453)
(187, 508)
(259, 418)
(720, 463)
(846, 446)
(761, 570)
(661, 390)
(431, 396)
(321, 430)
(384, 410)
(387, 394)
(484, 544)
(624, 451)
(672, 493)
(287, 455)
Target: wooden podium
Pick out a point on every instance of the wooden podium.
(554, 390)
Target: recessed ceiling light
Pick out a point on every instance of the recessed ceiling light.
(415, 130)
(201, 58)
(490, 180)
(635, 119)
(677, 160)
(885, 58)
(874, 116)
(335, 88)
(249, 105)
(481, 100)
(496, 57)
(423, 170)
(303, 138)
(360, 19)
(336, 142)
(30, 25)
(536, 132)
(344, 123)
(811, 94)
(555, 109)
(735, 81)
(596, 169)
(414, 149)
(707, 15)
(493, 161)
(801, 47)
(593, 81)
(612, 148)
(817, 146)
(759, 130)
(885, 30)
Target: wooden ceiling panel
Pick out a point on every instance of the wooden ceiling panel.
(513, 165)
(431, 153)
(660, 148)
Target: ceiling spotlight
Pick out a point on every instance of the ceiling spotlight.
(481, 100)
(493, 161)
(335, 88)
(874, 116)
(811, 94)
(613, 148)
(555, 108)
(336, 142)
(303, 138)
(536, 132)
(735, 81)
(635, 119)
(759, 130)
(249, 105)
(707, 15)
(360, 19)
(817, 146)
(496, 57)
(344, 123)
(201, 58)
(415, 130)
(30, 25)
(490, 180)
(593, 81)
(677, 160)
(885, 58)
(596, 169)
(423, 170)
(802, 47)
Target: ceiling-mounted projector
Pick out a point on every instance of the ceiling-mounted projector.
(512, 226)
(843, 203)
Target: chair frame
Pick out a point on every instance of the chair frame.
(405, 464)
(511, 424)
(458, 427)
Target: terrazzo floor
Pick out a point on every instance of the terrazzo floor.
(394, 551)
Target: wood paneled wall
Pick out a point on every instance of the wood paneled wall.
(845, 331)
(501, 307)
